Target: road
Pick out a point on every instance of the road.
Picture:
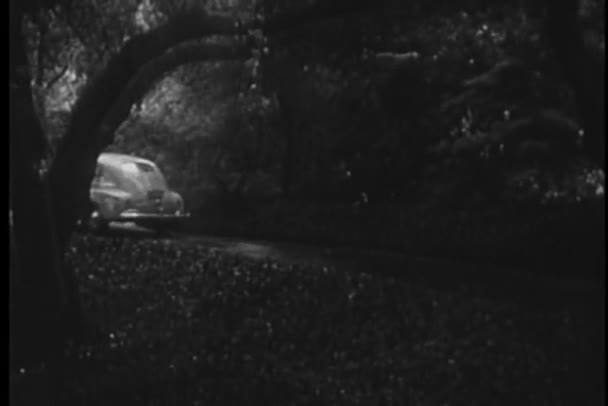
(583, 299)
(510, 283)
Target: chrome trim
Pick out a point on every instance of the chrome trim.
(134, 215)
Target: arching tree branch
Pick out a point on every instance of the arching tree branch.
(152, 72)
(74, 164)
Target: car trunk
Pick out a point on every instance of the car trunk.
(148, 188)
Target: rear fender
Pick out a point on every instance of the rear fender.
(173, 200)
(110, 202)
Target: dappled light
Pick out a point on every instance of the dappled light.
(341, 337)
(148, 16)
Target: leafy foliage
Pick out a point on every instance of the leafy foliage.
(466, 107)
(460, 105)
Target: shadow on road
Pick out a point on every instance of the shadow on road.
(499, 281)
(128, 230)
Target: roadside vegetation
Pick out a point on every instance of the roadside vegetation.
(184, 325)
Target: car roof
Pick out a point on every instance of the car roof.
(115, 159)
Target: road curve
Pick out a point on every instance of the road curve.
(499, 281)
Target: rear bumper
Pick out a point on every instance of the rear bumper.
(156, 217)
(153, 220)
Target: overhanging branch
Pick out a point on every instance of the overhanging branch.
(153, 71)
(107, 87)
(74, 164)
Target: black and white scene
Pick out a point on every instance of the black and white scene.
(307, 202)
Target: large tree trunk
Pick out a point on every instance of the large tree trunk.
(37, 293)
(44, 214)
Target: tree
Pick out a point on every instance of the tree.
(39, 270)
(129, 61)
(49, 214)
(103, 104)
(45, 207)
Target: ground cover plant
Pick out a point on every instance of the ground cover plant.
(180, 324)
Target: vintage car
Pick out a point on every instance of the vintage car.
(131, 189)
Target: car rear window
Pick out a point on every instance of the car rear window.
(145, 175)
(138, 167)
(145, 167)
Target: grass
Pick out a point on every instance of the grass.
(183, 325)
